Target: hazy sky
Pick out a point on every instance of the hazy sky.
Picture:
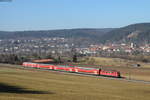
(60, 14)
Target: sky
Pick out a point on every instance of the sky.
(19, 15)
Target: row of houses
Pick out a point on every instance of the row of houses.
(111, 48)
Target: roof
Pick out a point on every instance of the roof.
(43, 60)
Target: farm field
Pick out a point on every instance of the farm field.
(124, 66)
(113, 62)
(32, 84)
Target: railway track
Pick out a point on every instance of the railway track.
(79, 74)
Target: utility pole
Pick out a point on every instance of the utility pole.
(129, 75)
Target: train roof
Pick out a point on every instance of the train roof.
(87, 68)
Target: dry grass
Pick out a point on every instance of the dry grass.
(45, 85)
(115, 62)
(124, 66)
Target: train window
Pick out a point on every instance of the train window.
(109, 72)
(86, 68)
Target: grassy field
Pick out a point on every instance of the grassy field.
(114, 62)
(32, 84)
(124, 66)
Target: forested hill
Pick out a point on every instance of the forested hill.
(89, 34)
(137, 33)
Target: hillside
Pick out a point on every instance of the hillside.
(86, 34)
(137, 33)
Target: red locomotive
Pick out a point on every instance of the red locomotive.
(94, 71)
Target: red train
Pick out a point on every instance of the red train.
(94, 71)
